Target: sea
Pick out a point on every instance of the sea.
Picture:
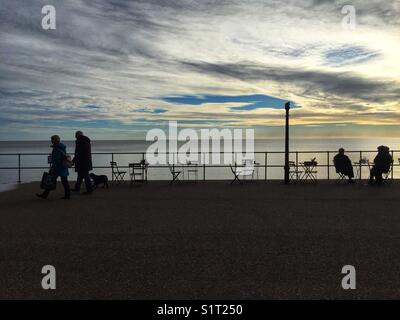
(34, 158)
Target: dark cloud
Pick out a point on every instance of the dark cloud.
(341, 84)
(377, 12)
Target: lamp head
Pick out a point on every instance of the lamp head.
(287, 105)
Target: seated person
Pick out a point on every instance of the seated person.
(343, 165)
(382, 163)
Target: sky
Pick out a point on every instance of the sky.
(116, 69)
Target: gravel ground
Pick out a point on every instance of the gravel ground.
(205, 240)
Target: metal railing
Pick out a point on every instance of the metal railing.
(267, 165)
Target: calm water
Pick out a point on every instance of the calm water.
(11, 175)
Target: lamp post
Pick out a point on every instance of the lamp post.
(287, 108)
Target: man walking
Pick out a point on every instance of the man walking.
(83, 162)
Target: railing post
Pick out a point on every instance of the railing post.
(143, 168)
(265, 166)
(392, 165)
(328, 164)
(360, 164)
(19, 168)
(204, 168)
(112, 167)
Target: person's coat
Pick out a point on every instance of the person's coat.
(83, 154)
(58, 155)
(343, 165)
(383, 161)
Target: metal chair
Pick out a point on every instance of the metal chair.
(294, 172)
(387, 176)
(246, 170)
(137, 172)
(117, 175)
(235, 173)
(249, 168)
(175, 173)
(341, 178)
(192, 169)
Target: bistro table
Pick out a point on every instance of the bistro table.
(359, 164)
(139, 170)
(192, 168)
(310, 173)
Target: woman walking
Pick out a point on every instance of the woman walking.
(58, 167)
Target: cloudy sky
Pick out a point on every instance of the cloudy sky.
(117, 68)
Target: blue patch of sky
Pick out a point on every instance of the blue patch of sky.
(251, 102)
(349, 55)
(153, 111)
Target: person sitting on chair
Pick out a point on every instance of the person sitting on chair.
(343, 165)
(382, 163)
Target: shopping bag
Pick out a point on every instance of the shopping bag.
(49, 181)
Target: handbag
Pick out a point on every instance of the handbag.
(49, 181)
(67, 161)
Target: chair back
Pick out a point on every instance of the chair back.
(171, 168)
(114, 166)
(311, 163)
(390, 167)
(133, 166)
(248, 163)
(246, 169)
(337, 166)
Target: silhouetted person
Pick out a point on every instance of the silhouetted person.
(382, 163)
(58, 168)
(83, 161)
(343, 165)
